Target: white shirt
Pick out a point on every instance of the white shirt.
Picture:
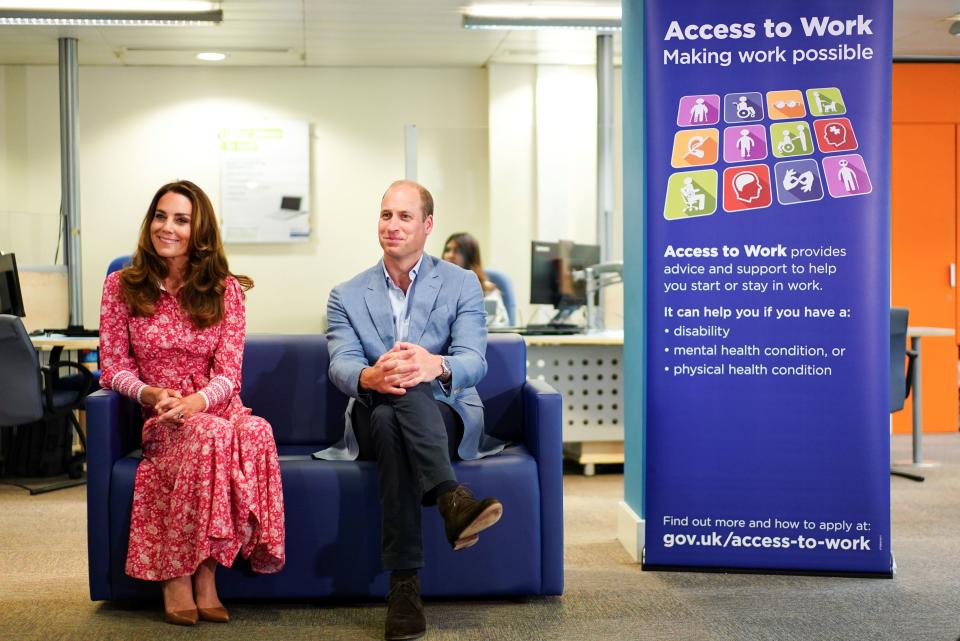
(399, 302)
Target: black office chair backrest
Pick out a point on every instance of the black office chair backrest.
(898, 353)
(21, 398)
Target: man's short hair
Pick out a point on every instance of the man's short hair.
(426, 198)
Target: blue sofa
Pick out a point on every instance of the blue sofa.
(332, 508)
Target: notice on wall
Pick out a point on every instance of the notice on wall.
(767, 140)
(265, 182)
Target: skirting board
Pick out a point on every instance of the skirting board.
(630, 531)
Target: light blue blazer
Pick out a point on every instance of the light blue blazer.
(447, 317)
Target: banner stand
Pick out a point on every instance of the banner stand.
(767, 169)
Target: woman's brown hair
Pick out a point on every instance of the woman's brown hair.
(469, 249)
(204, 280)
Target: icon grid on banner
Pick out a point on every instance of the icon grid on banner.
(802, 123)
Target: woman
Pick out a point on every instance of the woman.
(463, 249)
(171, 336)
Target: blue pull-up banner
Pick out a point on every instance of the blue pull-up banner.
(767, 242)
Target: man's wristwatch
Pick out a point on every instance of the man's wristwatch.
(445, 372)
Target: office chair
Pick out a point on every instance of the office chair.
(118, 263)
(77, 382)
(505, 285)
(900, 381)
(30, 393)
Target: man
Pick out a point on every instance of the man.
(407, 341)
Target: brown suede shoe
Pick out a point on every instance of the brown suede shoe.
(464, 516)
(405, 618)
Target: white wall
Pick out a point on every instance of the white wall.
(29, 167)
(141, 127)
(508, 152)
(513, 175)
(4, 151)
(543, 170)
(566, 124)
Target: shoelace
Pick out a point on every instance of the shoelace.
(459, 494)
(404, 585)
(406, 589)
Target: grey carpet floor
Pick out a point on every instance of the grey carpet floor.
(43, 584)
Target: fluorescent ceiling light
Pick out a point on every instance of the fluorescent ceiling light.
(545, 11)
(110, 12)
(211, 56)
(542, 16)
(161, 6)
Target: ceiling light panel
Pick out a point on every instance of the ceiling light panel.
(105, 13)
(545, 11)
(537, 16)
(124, 6)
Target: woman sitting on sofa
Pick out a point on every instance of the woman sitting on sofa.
(172, 330)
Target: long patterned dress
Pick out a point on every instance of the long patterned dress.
(209, 487)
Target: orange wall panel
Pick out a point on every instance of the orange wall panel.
(924, 225)
(926, 92)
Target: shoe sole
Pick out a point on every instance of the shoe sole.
(463, 543)
(406, 637)
(485, 519)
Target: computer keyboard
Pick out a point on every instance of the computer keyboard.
(552, 329)
(73, 331)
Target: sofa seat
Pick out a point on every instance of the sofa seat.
(332, 512)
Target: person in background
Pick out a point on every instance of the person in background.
(172, 328)
(463, 249)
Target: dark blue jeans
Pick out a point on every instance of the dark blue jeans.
(412, 438)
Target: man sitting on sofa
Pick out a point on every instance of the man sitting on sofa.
(407, 339)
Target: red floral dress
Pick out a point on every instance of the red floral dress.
(209, 487)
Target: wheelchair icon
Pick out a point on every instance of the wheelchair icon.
(788, 145)
(745, 111)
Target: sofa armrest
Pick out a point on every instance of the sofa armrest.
(542, 433)
(110, 423)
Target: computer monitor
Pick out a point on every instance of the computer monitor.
(551, 273)
(11, 300)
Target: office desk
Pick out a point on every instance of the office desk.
(56, 344)
(51, 342)
(587, 369)
(915, 334)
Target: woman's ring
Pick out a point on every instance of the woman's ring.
(180, 416)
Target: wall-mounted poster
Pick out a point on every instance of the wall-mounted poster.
(265, 182)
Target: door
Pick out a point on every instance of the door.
(924, 246)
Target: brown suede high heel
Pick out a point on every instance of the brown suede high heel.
(215, 615)
(182, 617)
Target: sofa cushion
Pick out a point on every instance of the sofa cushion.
(333, 534)
(285, 382)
